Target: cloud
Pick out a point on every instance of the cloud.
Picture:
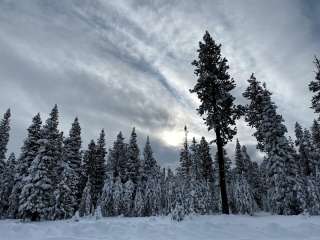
(125, 63)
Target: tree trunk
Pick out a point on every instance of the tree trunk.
(222, 179)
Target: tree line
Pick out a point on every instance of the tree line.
(55, 178)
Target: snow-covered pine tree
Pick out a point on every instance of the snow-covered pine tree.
(71, 155)
(37, 199)
(98, 175)
(4, 138)
(6, 184)
(314, 87)
(239, 160)
(153, 196)
(86, 207)
(184, 169)
(270, 134)
(196, 168)
(205, 159)
(170, 194)
(295, 193)
(133, 162)
(315, 132)
(117, 158)
(243, 197)
(256, 94)
(106, 199)
(29, 151)
(217, 104)
(207, 172)
(255, 182)
(128, 197)
(118, 197)
(88, 170)
(312, 196)
(306, 153)
(52, 145)
(65, 196)
(150, 167)
(179, 211)
(139, 203)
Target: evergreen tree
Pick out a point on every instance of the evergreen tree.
(205, 160)
(315, 132)
(117, 158)
(52, 145)
(99, 172)
(128, 197)
(6, 184)
(37, 196)
(65, 196)
(36, 199)
(213, 89)
(314, 86)
(29, 151)
(150, 166)
(184, 169)
(86, 207)
(243, 196)
(118, 197)
(256, 94)
(72, 157)
(133, 164)
(270, 134)
(4, 138)
(196, 168)
(239, 160)
(139, 203)
(305, 149)
(106, 200)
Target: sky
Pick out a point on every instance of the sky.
(127, 63)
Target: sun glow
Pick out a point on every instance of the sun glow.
(172, 137)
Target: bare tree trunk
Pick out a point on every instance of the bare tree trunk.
(222, 179)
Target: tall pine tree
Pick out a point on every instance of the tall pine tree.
(213, 89)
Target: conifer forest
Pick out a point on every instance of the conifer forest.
(54, 176)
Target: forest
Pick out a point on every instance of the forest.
(55, 177)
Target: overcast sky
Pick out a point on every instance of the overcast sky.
(119, 64)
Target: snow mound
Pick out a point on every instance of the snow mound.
(219, 227)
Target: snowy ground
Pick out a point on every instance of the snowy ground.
(155, 228)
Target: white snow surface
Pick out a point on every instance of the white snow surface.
(220, 227)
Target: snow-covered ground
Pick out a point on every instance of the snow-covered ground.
(153, 228)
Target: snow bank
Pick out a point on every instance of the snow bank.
(162, 228)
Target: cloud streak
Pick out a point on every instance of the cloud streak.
(121, 64)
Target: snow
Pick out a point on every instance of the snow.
(220, 227)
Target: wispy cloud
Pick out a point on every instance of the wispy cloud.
(127, 63)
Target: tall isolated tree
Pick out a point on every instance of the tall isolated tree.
(217, 107)
(4, 138)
